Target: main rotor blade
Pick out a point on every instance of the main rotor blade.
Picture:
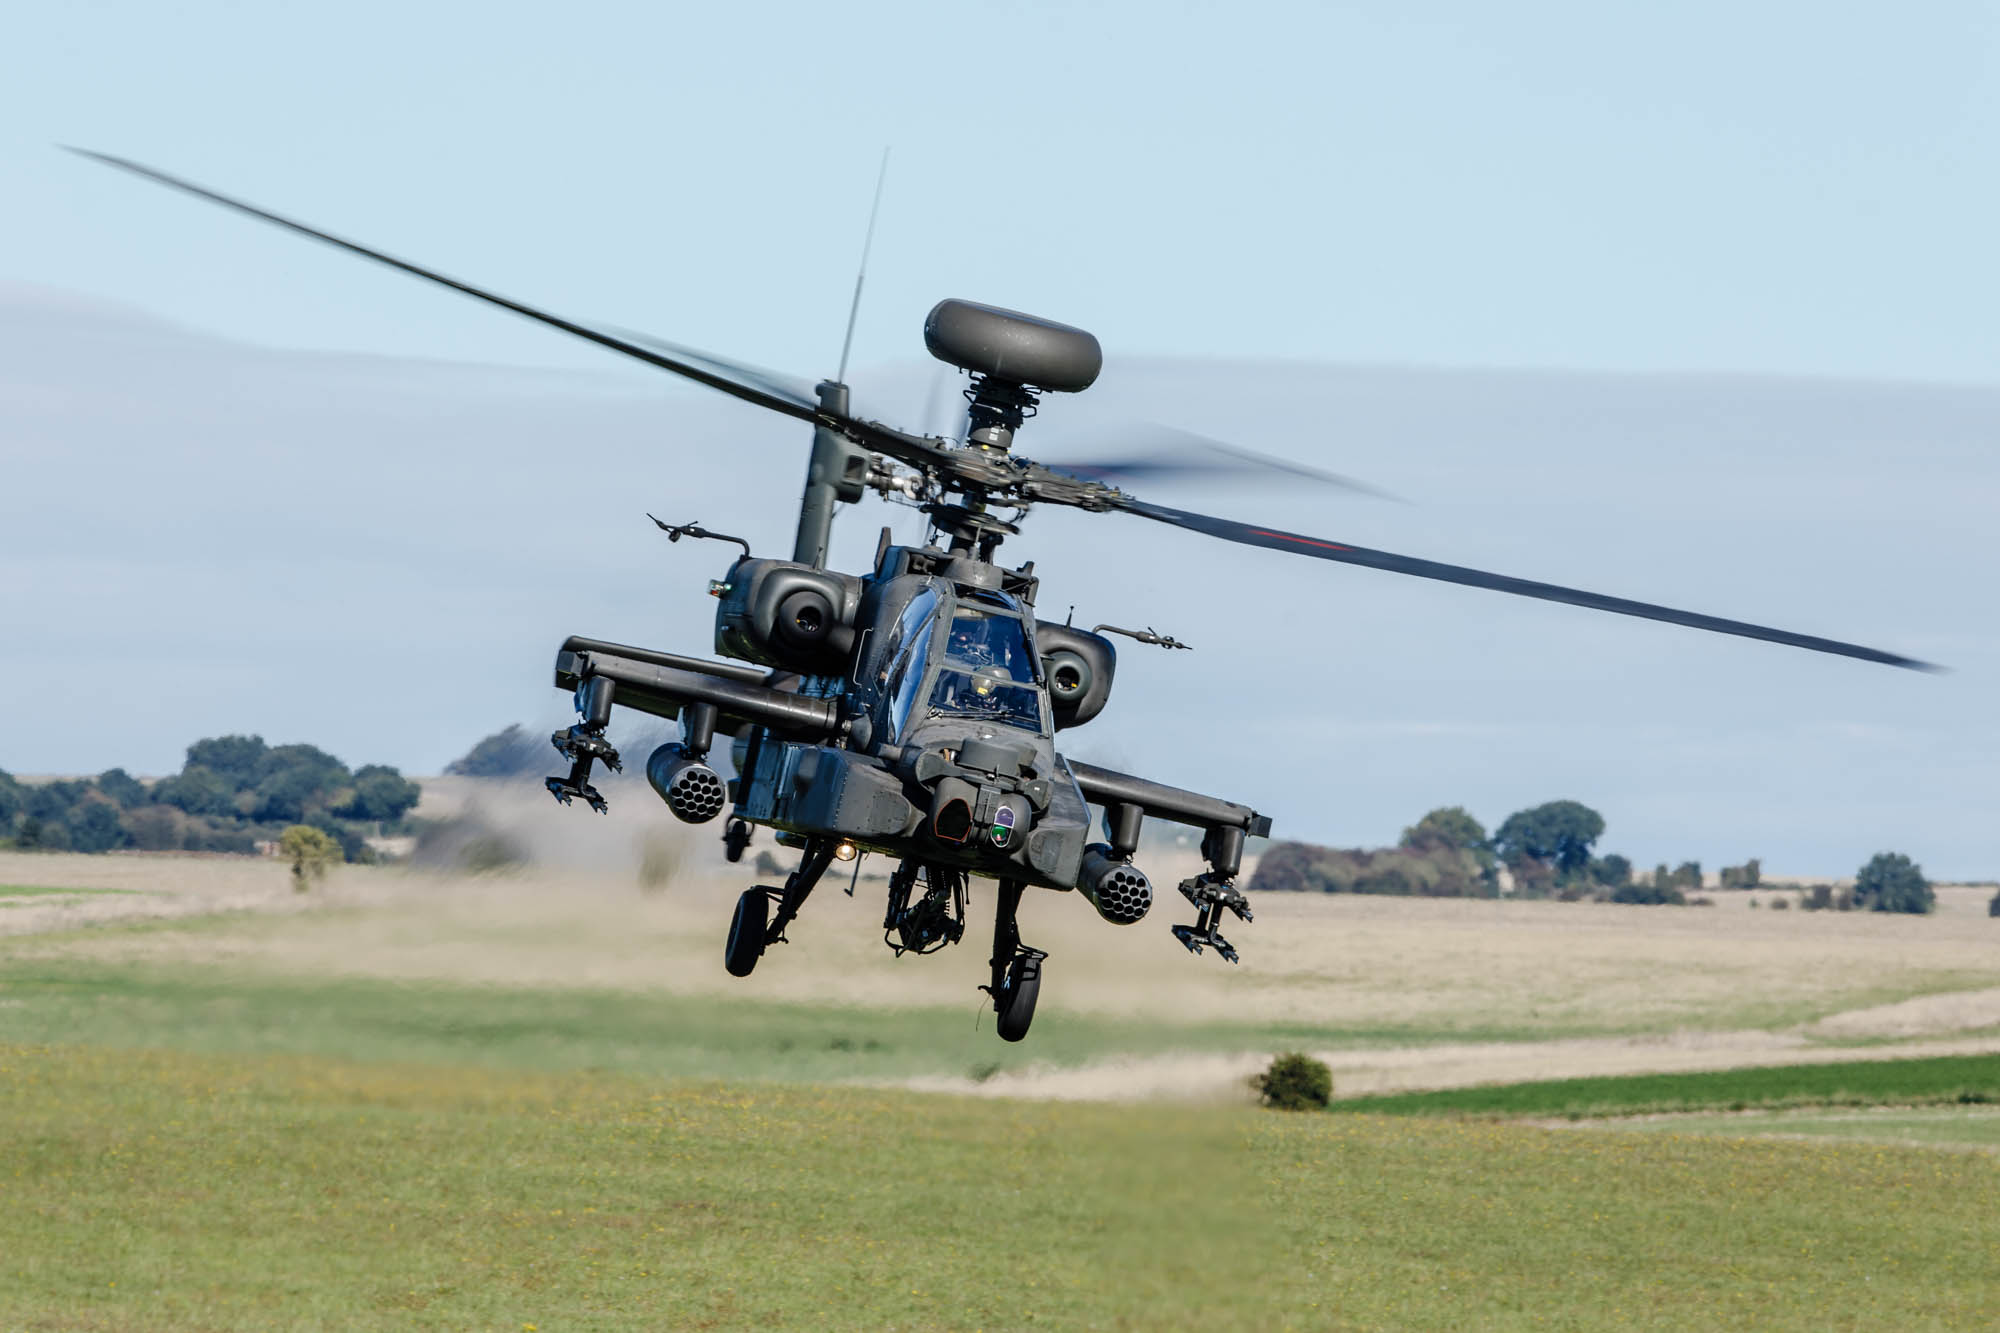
(664, 355)
(1277, 540)
(792, 388)
(1166, 453)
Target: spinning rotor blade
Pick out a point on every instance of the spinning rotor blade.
(1278, 540)
(744, 382)
(791, 388)
(1168, 454)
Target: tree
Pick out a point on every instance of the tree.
(380, 794)
(1611, 871)
(10, 801)
(122, 787)
(295, 779)
(504, 754)
(1285, 867)
(1448, 826)
(234, 759)
(50, 802)
(42, 835)
(1746, 876)
(94, 826)
(197, 791)
(1559, 833)
(1455, 844)
(155, 828)
(310, 852)
(1891, 882)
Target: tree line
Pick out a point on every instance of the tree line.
(231, 793)
(1548, 851)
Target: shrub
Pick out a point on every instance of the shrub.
(155, 828)
(310, 851)
(1891, 882)
(1655, 894)
(1296, 1082)
(1993, 905)
(1746, 876)
(1611, 871)
(1435, 871)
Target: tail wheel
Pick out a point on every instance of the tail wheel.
(746, 933)
(1016, 1001)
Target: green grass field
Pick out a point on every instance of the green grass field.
(161, 1190)
(1964, 1079)
(202, 1008)
(196, 1141)
(1943, 1126)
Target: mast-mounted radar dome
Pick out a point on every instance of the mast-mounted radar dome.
(1008, 345)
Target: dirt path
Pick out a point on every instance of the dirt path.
(1423, 1068)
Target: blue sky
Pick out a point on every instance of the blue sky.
(1245, 204)
(1802, 188)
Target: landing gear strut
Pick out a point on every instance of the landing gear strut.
(1017, 969)
(753, 930)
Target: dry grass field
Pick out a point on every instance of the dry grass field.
(1395, 993)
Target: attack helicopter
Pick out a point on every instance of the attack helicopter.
(912, 710)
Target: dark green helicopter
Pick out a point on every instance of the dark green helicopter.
(912, 711)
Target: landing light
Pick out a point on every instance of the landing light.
(846, 851)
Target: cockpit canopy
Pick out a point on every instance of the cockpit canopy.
(981, 667)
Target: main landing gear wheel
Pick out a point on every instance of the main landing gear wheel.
(746, 933)
(1016, 1000)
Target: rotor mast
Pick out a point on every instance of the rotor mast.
(838, 470)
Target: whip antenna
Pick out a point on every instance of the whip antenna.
(861, 275)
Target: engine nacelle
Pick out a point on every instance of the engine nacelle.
(691, 789)
(1119, 890)
(1079, 667)
(790, 616)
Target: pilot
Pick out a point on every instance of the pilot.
(970, 641)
